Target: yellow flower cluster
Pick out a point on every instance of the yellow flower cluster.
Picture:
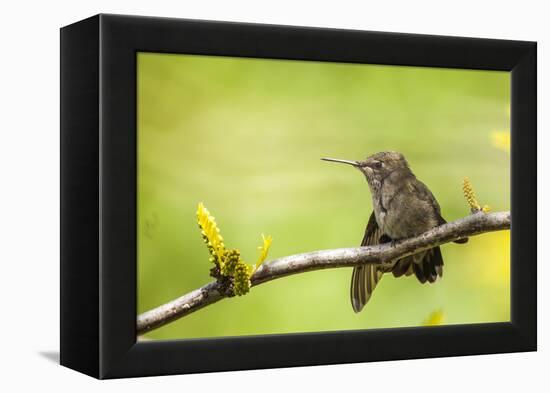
(211, 234)
(241, 281)
(229, 267)
(470, 196)
(230, 261)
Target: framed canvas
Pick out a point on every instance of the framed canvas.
(163, 119)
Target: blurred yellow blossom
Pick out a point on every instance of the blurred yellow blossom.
(501, 140)
(435, 318)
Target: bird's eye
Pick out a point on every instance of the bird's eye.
(377, 165)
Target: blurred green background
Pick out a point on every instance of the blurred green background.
(245, 137)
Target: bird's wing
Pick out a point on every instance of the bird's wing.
(365, 278)
(372, 232)
(424, 193)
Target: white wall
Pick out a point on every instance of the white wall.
(29, 219)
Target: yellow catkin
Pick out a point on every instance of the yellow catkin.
(228, 261)
(231, 259)
(210, 233)
(470, 195)
(241, 283)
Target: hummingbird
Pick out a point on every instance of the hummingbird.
(403, 207)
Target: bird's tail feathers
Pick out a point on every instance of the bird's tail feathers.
(430, 267)
(363, 281)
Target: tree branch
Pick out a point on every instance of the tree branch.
(472, 225)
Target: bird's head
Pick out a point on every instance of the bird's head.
(377, 166)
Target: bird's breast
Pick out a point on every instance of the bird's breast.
(400, 215)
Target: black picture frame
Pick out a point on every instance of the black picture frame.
(98, 195)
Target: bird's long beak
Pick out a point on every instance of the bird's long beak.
(354, 163)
